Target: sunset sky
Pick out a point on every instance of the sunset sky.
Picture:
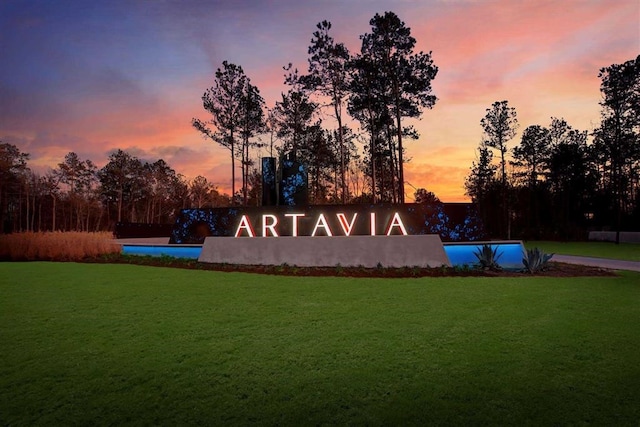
(94, 76)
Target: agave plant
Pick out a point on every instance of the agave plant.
(535, 260)
(488, 258)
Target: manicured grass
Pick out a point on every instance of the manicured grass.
(623, 251)
(98, 344)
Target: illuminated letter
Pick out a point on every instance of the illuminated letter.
(324, 224)
(294, 223)
(396, 222)
(373, 223)
(346, 226)
(244, 223)
(271, 227)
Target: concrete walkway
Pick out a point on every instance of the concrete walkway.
(612, 264)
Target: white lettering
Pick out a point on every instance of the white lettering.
(346, 226)
(294, 223)
(322, 222)
(246, 225)
(373, 223)
(271, 223)
(397, 222)
(269, 227)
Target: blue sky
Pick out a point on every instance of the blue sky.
(93, 76)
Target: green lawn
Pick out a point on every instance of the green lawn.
(623, 251)
(100, 344)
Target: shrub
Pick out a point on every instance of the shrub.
(56, 246)
(488, 258)
(535, 260)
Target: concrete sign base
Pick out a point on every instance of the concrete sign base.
(303, 251)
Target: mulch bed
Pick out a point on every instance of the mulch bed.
(555, 269)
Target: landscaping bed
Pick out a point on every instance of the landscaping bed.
(555, 269)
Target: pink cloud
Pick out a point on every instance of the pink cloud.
(542, 56)
(481, 47)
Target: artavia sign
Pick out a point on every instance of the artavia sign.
(452, 222)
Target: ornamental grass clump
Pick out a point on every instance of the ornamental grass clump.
(488, 258)
(56, 246)
(535, 260)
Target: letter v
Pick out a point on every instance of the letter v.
(346, 226)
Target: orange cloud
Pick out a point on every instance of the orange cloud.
(443, 181)
(541, 56)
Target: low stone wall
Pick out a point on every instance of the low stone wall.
(610, 236)
(304, 251)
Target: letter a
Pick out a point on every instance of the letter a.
(396, 222)
(246, 225)
(322, 222)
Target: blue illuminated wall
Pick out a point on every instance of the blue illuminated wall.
(293, 185)
(191, 252)
(510, 253)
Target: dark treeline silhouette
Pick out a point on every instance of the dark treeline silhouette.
(556, 182)
(77, 196)
(560, 181)
(379, 87)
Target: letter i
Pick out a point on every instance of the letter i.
(373, 223)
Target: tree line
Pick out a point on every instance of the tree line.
(556, 182)
(76, 195)
(559, 181)
(378, 87)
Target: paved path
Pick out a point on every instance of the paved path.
(612, 264)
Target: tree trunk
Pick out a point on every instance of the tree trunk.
(338, 112)
(33, 213)
(40, 215)
(373, 170)
(53, 213)
(373, 156)
(393, 168)
(99, 220)
(27, 197)
(120, 191)
(400, 158)
(245, 170)
(233, 169)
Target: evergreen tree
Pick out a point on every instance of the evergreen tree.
(224, 101)
(368, 105)
(532, 155)
(251, 122)
(13, 164)
(406, 75)
(617, 140)
(329, 75)
(500, 125)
